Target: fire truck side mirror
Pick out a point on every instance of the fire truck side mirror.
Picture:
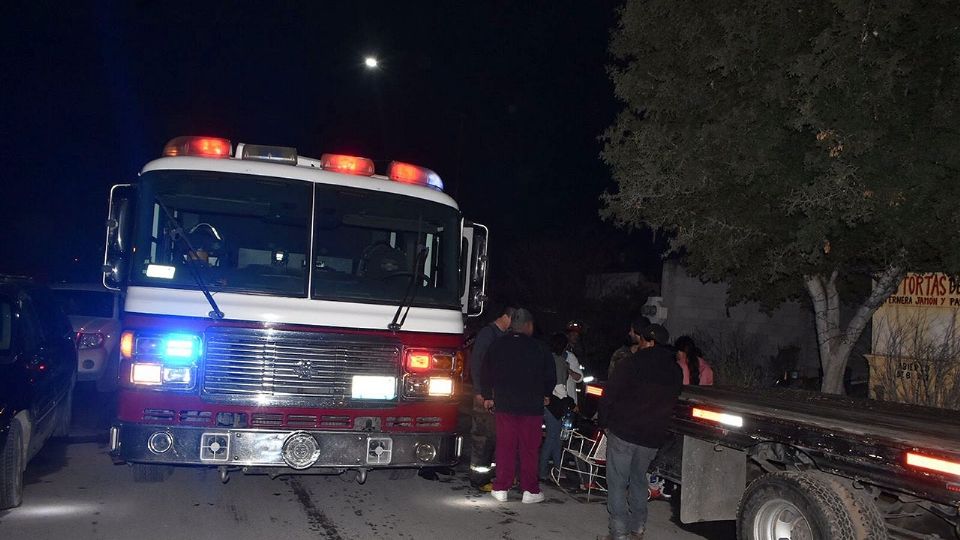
(118, 229)
(475, 272)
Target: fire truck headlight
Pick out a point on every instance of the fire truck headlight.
(415, 385)
(149, 374)
(167, 360)
(441, 386)
(180, 376)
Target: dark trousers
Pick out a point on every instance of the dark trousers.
(517, 436)
(483, 438)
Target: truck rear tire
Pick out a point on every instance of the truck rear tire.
(863, 511)
(792, 505)
(145, 473)
(11, 468)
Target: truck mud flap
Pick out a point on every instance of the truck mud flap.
(714, 478)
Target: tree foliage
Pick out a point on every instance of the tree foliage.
(790, 145)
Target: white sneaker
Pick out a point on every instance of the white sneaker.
(531, 498)
(501, 495)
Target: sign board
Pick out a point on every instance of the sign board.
(916, 343)
(927, 290)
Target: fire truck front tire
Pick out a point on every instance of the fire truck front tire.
(789, 505)
(145, 473)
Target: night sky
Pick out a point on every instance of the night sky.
(505, 100)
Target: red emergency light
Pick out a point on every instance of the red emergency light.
(413, 174)
(347, 164)
(209, 147)
(419, 361)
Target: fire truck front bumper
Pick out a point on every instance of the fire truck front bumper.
(301, 449)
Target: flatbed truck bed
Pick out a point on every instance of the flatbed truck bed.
(795, 464)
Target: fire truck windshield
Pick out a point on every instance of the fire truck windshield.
(252, 234)
(366, 246)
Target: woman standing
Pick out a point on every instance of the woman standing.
(696, 370)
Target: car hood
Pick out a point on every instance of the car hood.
(106, 325)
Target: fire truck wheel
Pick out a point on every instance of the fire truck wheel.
(11, 468)
(146, 473)
(791, 505)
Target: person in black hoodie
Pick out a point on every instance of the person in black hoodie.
(518, 378)
(635, 409)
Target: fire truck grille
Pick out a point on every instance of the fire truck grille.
(267, 365)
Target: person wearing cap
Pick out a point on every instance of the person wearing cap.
(574, 333)
(519, 377)
(635, 411)
(633, 335)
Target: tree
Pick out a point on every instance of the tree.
(792, 147)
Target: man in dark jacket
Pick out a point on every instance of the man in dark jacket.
(635, 410)
(519, 376)
(483, 434)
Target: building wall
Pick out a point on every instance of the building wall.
(694, 306)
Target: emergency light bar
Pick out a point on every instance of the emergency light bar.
(932, 464)
(720, 418)
(209, 147)
(413, 174)
(347, 164)
(271, 154)
(216, 147)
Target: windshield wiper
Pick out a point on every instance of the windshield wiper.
(180, 234)
(411, 294)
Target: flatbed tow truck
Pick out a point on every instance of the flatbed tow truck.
(788, 464)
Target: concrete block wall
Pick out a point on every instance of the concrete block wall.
(696, 306)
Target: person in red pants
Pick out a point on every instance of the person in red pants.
(519, 376)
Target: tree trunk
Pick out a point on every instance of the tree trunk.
(834, 341)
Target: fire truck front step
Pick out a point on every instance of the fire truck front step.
(299, 449)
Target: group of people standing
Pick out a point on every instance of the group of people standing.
(520, 381)
(525, 385)
(514, 375)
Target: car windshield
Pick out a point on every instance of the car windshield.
(252, 234)
(85, 303)
(367, 245)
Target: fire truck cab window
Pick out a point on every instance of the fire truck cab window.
(252, 234)
(242, 233)
(369, 246)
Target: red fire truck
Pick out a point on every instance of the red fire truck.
(287, 314)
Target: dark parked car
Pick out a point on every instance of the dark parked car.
(38, 370)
